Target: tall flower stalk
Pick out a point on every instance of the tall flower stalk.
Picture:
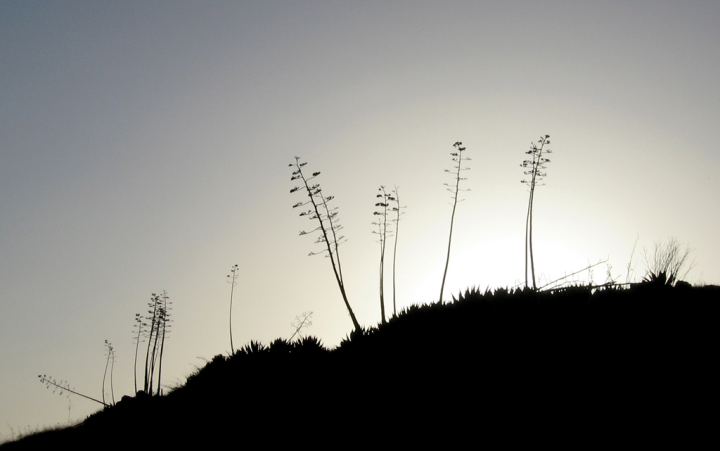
(328, 226)
(397, 211)
(535, 165)
(457, 157)
(382, 224)
(233, 276)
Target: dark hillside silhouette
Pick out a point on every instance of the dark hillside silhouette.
(522, 365)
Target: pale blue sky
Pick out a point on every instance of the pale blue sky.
(145, 147)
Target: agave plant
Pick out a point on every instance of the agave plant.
(254, 347)
(659, 279)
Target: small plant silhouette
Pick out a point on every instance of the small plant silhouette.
(301, 322)
(534, 167)
(382, 224)
(109, 361)
(665, 263)
(159, 318)
(397, 211)
(233, 276)
(63, 386)
(139, 326)
(457, 157)
(328, 226)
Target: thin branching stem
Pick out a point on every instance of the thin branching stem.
(65, 387)
(328, 227)
(458, 158)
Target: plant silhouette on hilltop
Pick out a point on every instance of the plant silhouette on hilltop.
(301, 322)
(139, 326)
(328, 226)
(397, 211)
(665, 263)
(233, 277)
(110, 361)
(382, 224)
(458, 158)
(534, 167)
(159, 318)
(63, 386)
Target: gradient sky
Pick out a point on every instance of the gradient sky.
(144, 146)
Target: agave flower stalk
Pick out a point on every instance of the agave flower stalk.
(535, 165)
(63, 386)
(383, 232)
(233, 276)
(328, 226)
(397, 211)
(457, 157)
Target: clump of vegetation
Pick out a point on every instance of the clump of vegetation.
(159, 328)
(667, 263)
(576, 348)
(328, 226)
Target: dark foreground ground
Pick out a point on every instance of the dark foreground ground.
(620, 367)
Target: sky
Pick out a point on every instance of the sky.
(145, 146)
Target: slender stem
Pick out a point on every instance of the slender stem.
(112, 369)
(452, 217)
(532, 259)
(232, 289)
(107, 361)
(137, 346)
(397, 231)
(148, 376)
(47, 381)
(164, 314)
(527, 229)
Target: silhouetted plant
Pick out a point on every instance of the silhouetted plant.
(233, 275)
(534, 166)
(109, 361)
(159, 318)
(255, 347)
(666, 262)
(280, 346)
(328, 226)
(300, 323)
(629, 265)
(383, 232)
(457, 157)
(63, 386)
(397, 211)
(139, 326)
(309, 346)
